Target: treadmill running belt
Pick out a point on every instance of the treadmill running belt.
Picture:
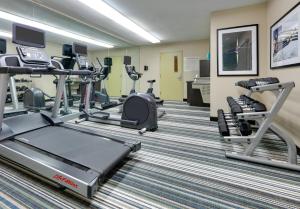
(95, 152)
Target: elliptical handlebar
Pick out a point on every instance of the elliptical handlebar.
(56, 57)
(104, 69)
(99, 62)
(132, 73)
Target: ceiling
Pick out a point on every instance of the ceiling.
(28, 10)
(168, 20)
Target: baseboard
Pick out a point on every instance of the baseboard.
(205, 105)
(185, 100)
(213, 119)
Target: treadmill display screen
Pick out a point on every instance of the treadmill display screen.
(2, 46)
(67, 50)
(80, 49)
(28, 36)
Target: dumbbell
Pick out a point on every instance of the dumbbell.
(242, 84)
(259, 107)
(246, 98)
(242, 126)
(245, 128)
(263, 81)
(23, 88)
(234, 106)
(257, 82)
(222, 124)
(271, 80)
(8, 99)
(253, 104)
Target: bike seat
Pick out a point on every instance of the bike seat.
(151, 81)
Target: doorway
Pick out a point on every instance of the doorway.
(171, 76)
(114, 82)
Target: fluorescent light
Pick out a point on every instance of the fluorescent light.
(42, 26)
(5, 34)
(109, 12)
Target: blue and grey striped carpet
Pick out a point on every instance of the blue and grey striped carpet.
(182, 165)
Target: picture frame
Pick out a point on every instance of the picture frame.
(285, 40)
(237, 51)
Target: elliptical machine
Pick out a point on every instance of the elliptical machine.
(134, 75)
(35, 99)
(102, 96)
(139, 110)
(68, 61)
(150, 92)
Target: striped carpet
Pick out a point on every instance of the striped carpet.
(182, 165)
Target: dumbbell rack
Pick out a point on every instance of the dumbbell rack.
(264, 121)
(14, 92)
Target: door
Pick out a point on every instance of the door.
(114, 82)
(171, 76)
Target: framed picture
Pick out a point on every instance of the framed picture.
(285, 40)
(238, 51)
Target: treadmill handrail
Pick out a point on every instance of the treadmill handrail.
(43, 71)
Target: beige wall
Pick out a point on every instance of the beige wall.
(289, 116)
(141, 56)
(265, 15)
(221, 87)
(134, 52)
(150, 56)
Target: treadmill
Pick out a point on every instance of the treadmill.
(74, 158)
(13, 89)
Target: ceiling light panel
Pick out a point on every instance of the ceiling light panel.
(111, 13)
(45, 27)
(5, 34)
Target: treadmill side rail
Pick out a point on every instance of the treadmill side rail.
(83, 182)
(133, 144)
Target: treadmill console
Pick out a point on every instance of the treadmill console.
(82, 62)
(32, 42)
(81, 55)
(31, 55)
